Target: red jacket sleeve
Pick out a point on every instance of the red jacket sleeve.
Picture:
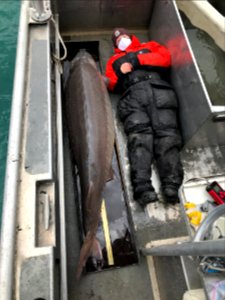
(111, 75)
(159, 55)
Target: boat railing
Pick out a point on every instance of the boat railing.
(13, 161)
(31, 183)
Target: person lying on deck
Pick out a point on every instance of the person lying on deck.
(148, 110)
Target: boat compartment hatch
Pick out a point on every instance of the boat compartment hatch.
(45, 214)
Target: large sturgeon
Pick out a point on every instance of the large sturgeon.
(91, 132)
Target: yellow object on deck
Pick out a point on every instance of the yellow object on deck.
(188, 205)
(105, 225)
(195, 217)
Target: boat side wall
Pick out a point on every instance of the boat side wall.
(197, 115)
(101, 15)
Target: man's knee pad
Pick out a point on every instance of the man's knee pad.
(137, 122)
(166, 142)
(143, 140)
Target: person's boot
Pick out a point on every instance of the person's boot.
(171, 194)
(147, 197)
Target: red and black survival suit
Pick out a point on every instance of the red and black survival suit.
(148, 110)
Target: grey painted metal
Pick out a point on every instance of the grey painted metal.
(197, 246)
(37, 176)
(38, 151)
(210, 133)
(196, 111)
(203, 248)
(207, 223)
(61, 183)
(203, 162)
(13, 161)
(98, 15)
(15, 166)
(192, 276)
(37, 172)
(36, 278)
(41, 12)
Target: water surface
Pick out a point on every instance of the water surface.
(210, 59)
(9, 19)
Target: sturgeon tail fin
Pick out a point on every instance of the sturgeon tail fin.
(91, 247)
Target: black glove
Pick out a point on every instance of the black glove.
(133, 59)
